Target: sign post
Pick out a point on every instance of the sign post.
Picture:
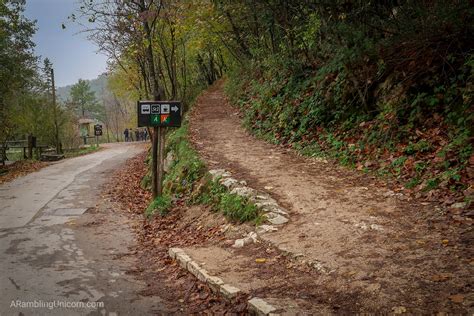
(97, 133)
(159, 115)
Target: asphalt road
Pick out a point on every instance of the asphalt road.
(47, 264)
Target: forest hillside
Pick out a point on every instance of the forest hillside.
(384, 87)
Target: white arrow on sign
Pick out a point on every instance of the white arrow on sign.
(174, 108)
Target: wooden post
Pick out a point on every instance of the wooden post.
(154, 162)
(55, 114)
(30, 146)
(161, 158)
(158, 158)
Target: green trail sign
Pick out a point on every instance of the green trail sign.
(159, 113)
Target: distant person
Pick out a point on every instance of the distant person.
(137, 135)
(142, 135)
(145, 134)
(130, 135)
(125, 134)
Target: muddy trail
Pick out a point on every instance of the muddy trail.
(375, 250)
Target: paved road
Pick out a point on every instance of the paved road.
(45, 258)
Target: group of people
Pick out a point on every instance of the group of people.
(140, 134)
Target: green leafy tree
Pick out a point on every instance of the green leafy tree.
(58, 115)
(84, 101)
(17, 61)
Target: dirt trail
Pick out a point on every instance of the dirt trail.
(387, 250)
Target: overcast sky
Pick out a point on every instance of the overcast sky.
(72, 55)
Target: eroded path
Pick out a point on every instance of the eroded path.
(374, 250)
(60, 242)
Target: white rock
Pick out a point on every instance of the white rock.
(243, 191)
(216, 172)
(252, 236)
(229, 182)
(364, 226)
(249, 239)
(376, 227)
(277, 210)
(263, 197)
(168, 161)
(229, 291)
(172, 252)
(219, 173)
(183, 259)
(260, 307)
(225, 228)
(265, 229)
(276, 219)
(264, 203)
(459, 205)
(214, 283)
(239, 243)
(318, 266)
(389, 193)
(203, 275)
(320, 159)
(193, 268)
(361, 226)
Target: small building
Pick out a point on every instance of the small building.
(85, 128)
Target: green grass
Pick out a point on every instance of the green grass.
(187, 168)
(188, 179)
(412, 183)
(80, 152)
(185, 171)
(161, 205)
(238, 208)
(233, 206)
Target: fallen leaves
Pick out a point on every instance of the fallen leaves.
(399, 310)
(457, 298)
(441, 277)
(19, 168)
(163, 277)
(126, 187)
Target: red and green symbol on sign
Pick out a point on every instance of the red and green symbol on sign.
(165, 118)
(158, 120)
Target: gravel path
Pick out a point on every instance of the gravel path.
(386, 250)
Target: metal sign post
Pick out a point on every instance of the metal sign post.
(159, 115)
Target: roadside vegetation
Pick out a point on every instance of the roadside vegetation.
(29, 104)
(188, 181)
(81, 151)
(19, 168)
(384, 88)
